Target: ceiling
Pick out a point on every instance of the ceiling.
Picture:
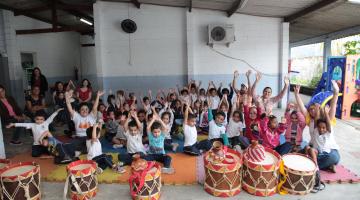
(308, 18)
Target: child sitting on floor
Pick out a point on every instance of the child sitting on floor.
(111, 126)
(156, 135)
(167, 117)
(95, 152)
(134, 144)
(235, 128)
(191, 145)
(119, 140)
(295, 126)
(217, 130)
(63, 152)
(38, 128)
(270, 133)
(252, 120)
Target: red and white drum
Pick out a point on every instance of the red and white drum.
(260, 177)
(20, 181)
(299, 173)
(82, 179)
(4, 163)
(222, 171)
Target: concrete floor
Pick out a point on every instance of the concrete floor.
(347, 136)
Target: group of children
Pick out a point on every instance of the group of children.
(151, 126)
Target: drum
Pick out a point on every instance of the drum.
(145, 179)
(299, 172)
(260, 177)
(222, 172)
(20, 181)
(82, 180)
(4, 163)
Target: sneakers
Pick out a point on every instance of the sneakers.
(167, 170)
(119, 169)
(17, 143)
(174, 146)
(77, 153)
(66, 160)
(332, 169)
(116, 146)
(318, 184)
(99, 170)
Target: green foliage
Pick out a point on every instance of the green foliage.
(352, 47)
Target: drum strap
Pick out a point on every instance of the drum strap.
(138, 178)
(25, 187)
(282, 178)
(74, 183)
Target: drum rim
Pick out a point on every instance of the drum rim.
(222, 164)
(92, 163)
(276, 154)
(298, 171)
(25, 174)
(6, 161)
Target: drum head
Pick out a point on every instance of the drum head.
(269, 159)
(18, 170)
(81, 167)
(298, 162)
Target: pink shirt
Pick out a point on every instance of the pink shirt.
(9, 107)
(300, 127)
(268, 104)
(271, 137)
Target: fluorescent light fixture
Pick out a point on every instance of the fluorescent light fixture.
(86, 21)
(354, 1)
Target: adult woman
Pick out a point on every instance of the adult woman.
(39, 80)
(34, 102)
(266, 101)
(11, 113)
(84, 92)
(312, 114)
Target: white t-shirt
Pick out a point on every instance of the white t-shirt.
(93, 148)
(38, 129)
(134, 143)
(234, 128)
(214, 130)
(120, 133)
(325, 142)
(83, 123)
(215, 102)
(170, 124)
(193, 97)
(190, 134)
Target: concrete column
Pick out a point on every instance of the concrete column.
(327, 52)
(284, 59)
(98, 47)
(2, 146)
(190, 45)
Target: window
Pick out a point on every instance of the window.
(307, 60)
(346, 46)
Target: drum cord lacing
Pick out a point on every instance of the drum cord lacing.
(224, 178)
(261, 178)
(78, 185)
(20, 185)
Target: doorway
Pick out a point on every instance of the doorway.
(28, 62)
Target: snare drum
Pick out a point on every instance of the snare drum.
(260, 178)
(223, 176)
(20, 181)
(82, 179)
(300, 174)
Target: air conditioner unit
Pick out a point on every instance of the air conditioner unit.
(221, 34)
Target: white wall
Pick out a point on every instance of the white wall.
(57, 54)
(171, 42)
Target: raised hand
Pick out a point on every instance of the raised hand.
(286, 80)
(60, 109)
(100, 93)
(248, 73)
(258, 76)
(236, 73)
(297, 89)
(335, 86)
(327, 109)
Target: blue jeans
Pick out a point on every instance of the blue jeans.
(325, 160)
(103, 161)
(284, 148)
(127, 158)
(161, 158)
(195, 148)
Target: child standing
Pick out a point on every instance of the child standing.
(156, 136)
(95, 152)
(38, 128)
(191, 145)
